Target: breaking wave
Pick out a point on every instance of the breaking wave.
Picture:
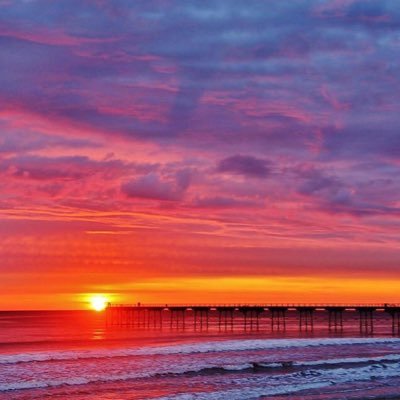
(318, 373)
(191, 348)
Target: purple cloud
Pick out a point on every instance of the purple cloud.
(153, 187)
(34, 167)
(223, 202)
(357, 198)
(245, 165)
(314, 181)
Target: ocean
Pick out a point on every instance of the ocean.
(73, 355)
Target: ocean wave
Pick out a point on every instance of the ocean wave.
(348, 362)
(382, 366)
(248, 393)
(275, 385)
(190, 348)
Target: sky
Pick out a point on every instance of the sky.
(199, 151)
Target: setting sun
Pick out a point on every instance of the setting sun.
(98, 302)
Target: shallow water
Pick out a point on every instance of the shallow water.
(73, 355)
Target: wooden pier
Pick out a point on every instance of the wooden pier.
(248, 316)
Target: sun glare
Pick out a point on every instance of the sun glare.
(98, 302)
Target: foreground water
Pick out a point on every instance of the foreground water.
(73, 355)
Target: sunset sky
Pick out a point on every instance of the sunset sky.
(199, 151)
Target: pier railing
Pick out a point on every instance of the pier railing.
(264, 305)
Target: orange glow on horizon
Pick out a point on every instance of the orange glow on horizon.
(260, 289)
(207, 289)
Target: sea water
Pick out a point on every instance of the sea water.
(74, 355)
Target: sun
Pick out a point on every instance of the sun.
(98, 302)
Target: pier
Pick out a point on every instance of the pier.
(248, 316)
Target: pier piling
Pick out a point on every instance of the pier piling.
(335, 318)
(278, 318)
(306, 318)
(366, 315)
(394, 312)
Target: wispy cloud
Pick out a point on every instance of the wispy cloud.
(264, 125)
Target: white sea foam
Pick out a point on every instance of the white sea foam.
(248, 393)
(238, 367)
(350, 360)
(191, 348)
(269, 385)
(316, 376)
(331, 362)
